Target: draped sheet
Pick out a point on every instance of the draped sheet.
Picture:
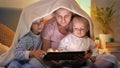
(35, 12)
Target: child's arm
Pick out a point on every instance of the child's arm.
(94, 50)
(88, 55)
(22, 50)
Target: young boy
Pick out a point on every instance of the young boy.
(28, 53)
(79, 40)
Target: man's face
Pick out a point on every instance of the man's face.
(63, 17)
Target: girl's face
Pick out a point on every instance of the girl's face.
(37, 27)
(80, 28)
(63, 17)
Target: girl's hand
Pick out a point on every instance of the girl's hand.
(38, 54)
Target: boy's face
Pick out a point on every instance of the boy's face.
(80, 28)
(37, 27)
(63, 17)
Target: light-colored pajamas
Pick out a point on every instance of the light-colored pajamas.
(74, 43)
(29, 42)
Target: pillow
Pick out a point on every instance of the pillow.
(6, 35)
(3, 48)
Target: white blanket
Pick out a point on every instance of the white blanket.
(36, 11)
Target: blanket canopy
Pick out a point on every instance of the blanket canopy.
(36, 11)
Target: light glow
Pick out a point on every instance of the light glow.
(85, 5)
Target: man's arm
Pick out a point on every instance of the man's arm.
(46, 44)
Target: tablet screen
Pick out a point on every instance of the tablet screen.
(63, 55)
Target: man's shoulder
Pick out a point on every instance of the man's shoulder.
(51, 24)
(50, 27)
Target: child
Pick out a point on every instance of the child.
(28, 53)
(79, 40)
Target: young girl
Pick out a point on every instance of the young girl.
(28, 53)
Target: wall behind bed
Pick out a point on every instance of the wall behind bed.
(10, 11)
(115, 22)
(10, 17)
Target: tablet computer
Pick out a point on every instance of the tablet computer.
(63, 55)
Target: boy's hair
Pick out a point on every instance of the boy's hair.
(84, 20)
(81, 18)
